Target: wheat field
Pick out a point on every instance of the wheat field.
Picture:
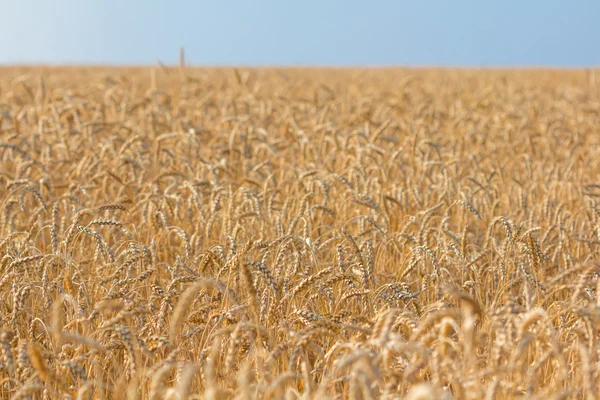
(180, 233)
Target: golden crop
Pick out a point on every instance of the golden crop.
(311, 234)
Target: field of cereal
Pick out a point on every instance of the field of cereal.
(191, 233)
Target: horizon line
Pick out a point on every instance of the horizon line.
(160, 64)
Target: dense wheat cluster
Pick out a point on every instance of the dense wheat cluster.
(191, 233)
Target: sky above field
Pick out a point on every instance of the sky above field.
(307, 32)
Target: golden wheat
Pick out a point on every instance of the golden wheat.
(217, 233)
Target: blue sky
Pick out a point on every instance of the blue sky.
(302, 32)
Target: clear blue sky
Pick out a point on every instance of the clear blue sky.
(305, 32)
